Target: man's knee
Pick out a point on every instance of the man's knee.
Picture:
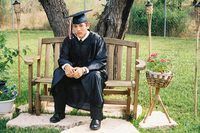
(95, 74)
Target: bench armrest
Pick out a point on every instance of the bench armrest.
(140, 64)
(29, 59)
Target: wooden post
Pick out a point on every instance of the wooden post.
(30, 89)
(17, 9)
(149, 12)
(197, 11)
(149, 29)
(165, 18)
(19, 53)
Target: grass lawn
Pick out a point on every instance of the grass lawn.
(178, 97)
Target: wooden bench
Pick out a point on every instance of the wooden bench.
(123, 72)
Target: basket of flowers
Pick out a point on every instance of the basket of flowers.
(158, 72)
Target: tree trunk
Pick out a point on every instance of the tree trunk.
(113, 22)
(55, 10)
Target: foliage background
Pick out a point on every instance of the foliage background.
(177, 19)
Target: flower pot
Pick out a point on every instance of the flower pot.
(6, 106)
(157, 79)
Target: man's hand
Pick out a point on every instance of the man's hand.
(79, 71)
(69, 71)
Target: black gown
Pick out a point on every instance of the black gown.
(81, 93)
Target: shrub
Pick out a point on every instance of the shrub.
(176, 21)
(6, 57)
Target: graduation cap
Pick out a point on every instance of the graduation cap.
(79, 17)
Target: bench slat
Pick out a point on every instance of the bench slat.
(109, 83)
(46, 98)
(119, 42)
(128, 63)
(119, 62)
(119, 83)
(52, 40)
(42, 80)
(39, 56)
(47, 61)
(56, 55)
(114, 91)
(111, 49)
(116, 101)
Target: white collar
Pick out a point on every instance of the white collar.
(86, 35)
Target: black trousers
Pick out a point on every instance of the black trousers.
(64, 91)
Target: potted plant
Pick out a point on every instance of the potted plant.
(7, 93)
(7, 98)
(158, 70)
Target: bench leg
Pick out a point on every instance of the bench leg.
(128, 102)
(30, 89)
(135, 103)
(45, 89)
(136, 89)
(38, 101)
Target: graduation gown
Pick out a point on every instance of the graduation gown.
(90, 53)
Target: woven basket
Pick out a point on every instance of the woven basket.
(158, 80)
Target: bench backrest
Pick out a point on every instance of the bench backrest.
(122, 56)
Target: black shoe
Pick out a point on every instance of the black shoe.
(95, 124)
(57, 117)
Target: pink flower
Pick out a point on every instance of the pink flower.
(150, 60)
(158, 63)
(154, 55)
(163, 60)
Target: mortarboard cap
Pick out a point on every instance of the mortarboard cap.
(79, 17)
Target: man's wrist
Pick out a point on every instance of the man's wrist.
(64, 66)
(86, 70)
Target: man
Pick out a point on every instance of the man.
(80, 78)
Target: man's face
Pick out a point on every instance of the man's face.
(80, 29)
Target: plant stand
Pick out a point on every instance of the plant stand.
(157, 80)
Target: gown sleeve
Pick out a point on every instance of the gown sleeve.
(100, 59)
(64, 54)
